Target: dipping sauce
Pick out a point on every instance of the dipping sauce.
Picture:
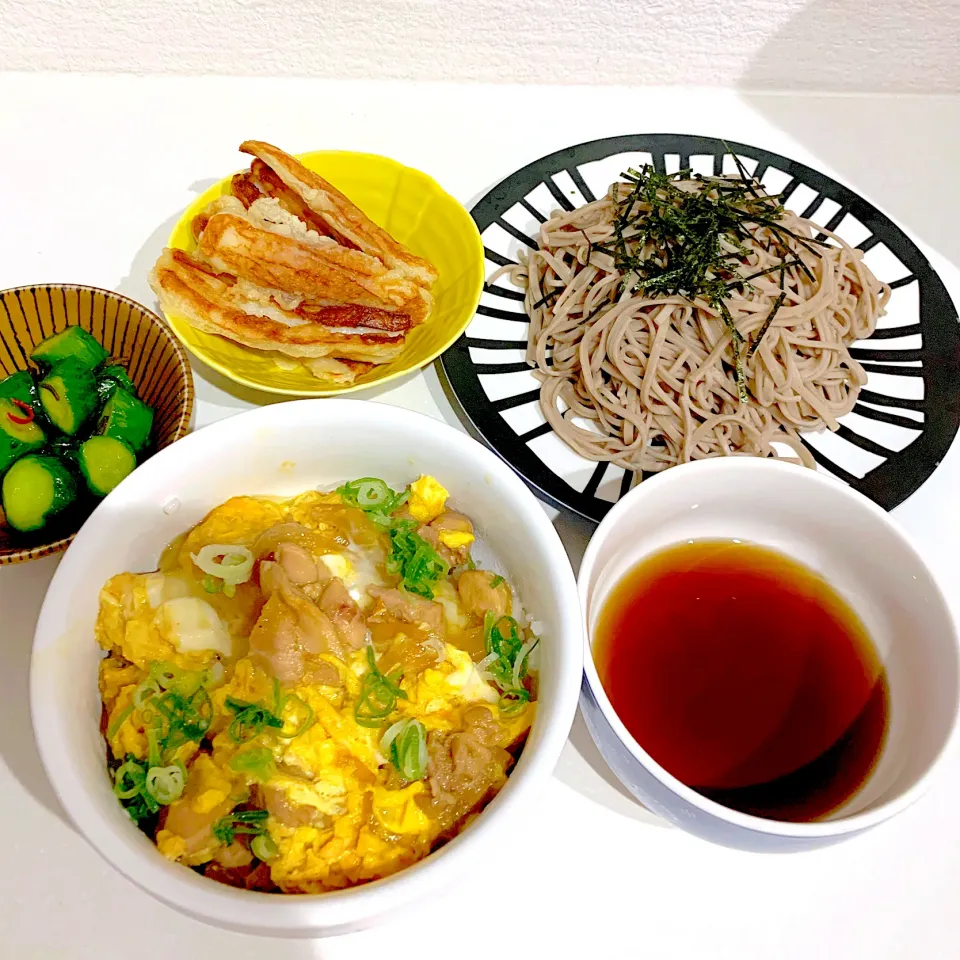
(746, 676)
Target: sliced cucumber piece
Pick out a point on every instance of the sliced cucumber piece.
(68, 395)
(19, 386)
(73, 342)
(104, 462)
(36, 490)
(17, 438)
(127, 419)
(112, 377)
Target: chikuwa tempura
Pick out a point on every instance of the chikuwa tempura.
(314, 693)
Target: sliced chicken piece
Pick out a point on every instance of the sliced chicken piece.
(482, 590)
(344, 613)
(290, 628)
(286, 811)
(297, 563)
(405, 606)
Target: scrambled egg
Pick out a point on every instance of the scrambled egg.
(428, 499)
(315, 773)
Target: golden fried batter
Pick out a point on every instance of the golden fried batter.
(289, 264)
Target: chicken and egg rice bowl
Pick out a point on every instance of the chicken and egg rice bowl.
(314, 693)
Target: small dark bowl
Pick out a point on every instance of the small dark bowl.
(135, 337)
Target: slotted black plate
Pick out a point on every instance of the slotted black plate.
(904, 421)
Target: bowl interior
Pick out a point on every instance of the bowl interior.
(275, 450)
(852, 544)
(417, 212)
(135, 337)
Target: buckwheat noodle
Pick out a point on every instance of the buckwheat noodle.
(649, 382)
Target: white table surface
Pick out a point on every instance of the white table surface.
(96, 170)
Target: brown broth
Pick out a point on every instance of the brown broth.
(746, 676)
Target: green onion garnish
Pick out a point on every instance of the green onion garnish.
(128, 779)
(250, 720)
(374, 497)
(165, 784)
(119, 720)
(406, 745)
(257, 761)
(513, 701)
(411, 558)
(378, 694)
(230, 563)
(304, 725)
(145, 693)
(144, 787)
(507, 656)
(263, 847)
(496, 581)
(248, 822)
(164, 673)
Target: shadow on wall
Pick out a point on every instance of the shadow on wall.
(897, 150)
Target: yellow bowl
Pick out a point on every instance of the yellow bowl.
(418, 212)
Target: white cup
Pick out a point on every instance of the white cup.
(863, 554)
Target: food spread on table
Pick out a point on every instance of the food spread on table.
(286, 263)
(70, 430)
(314, 693)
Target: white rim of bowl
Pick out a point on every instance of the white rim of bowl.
(782, 828)
(303, 914)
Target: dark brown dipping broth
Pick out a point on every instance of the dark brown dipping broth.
(746, 676)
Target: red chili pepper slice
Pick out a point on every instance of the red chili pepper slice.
(28, 413)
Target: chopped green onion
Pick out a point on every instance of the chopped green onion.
(378, 695)
(145, 693)
(263, 847)
(408, 749)
(250, 720)
(128, 780)
(512, 702)
(232, 563)
(165, 673)
(248, 822)
(390, 735)
(257, 761)
(411, 558)
(496, 581)
(165, 784)
(229, 590)
(371, 495)
(211, 585)
(144, 787)
(119, 720)
(188, 718)
(507, 656)
(304, 724)
(519, 666)
(154, 757)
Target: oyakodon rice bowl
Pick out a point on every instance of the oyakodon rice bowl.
(280, 452)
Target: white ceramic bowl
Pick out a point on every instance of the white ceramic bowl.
(857, 548)
(285, 449)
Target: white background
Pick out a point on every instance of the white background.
(96, 170)
(835, 45)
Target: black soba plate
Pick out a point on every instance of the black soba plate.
(905, 418)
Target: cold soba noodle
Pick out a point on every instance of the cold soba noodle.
(677, 319)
